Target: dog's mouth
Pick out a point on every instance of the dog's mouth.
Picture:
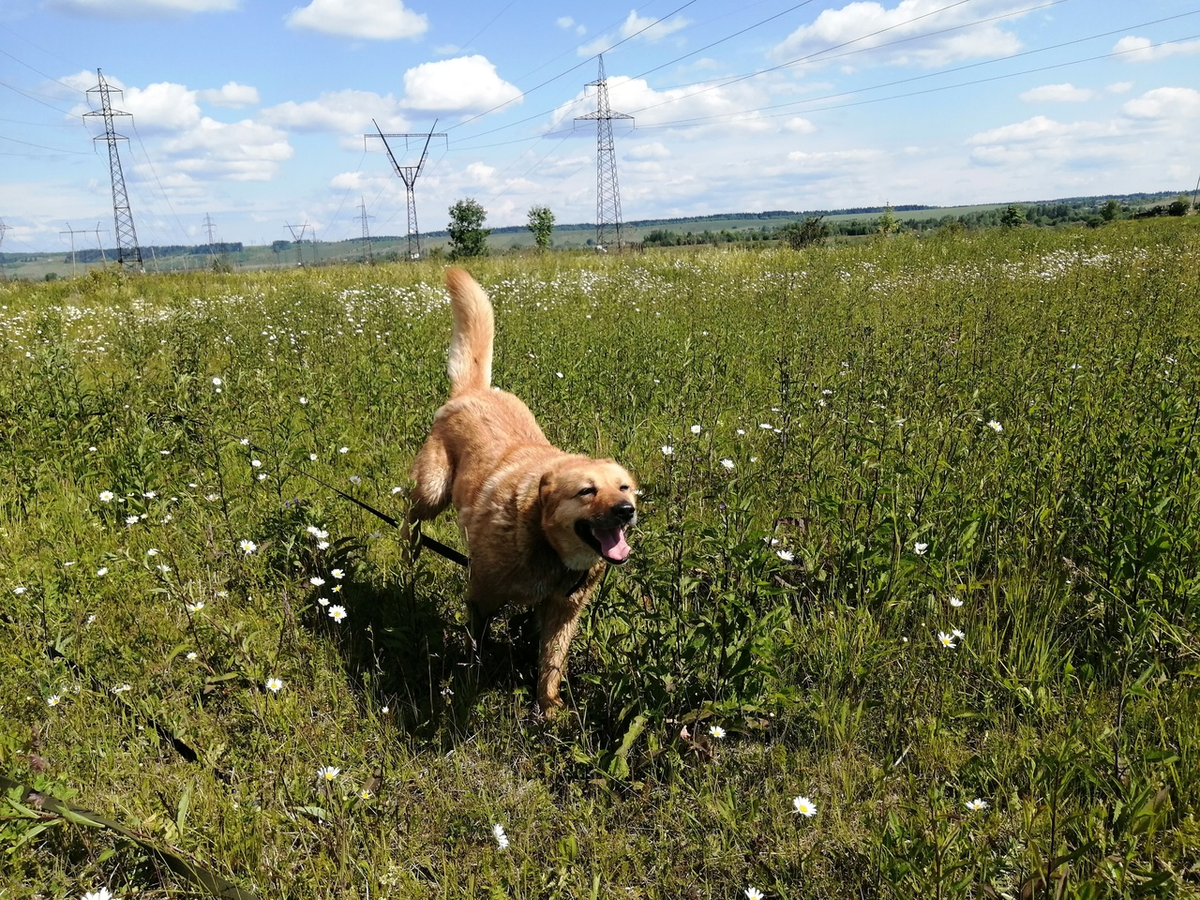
(608, 542)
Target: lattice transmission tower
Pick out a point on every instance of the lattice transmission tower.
(608, 191)
(129, 254)
(408, 174)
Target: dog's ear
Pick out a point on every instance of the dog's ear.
(546, 488)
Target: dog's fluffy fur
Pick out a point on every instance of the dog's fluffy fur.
(540, 524)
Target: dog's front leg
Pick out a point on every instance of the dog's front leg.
(559, 619)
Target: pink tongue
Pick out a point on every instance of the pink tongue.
(612, 544)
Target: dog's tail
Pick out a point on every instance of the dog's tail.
(470, 366)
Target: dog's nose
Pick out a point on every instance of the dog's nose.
(623, 510)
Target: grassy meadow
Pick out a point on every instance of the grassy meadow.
(912, 610)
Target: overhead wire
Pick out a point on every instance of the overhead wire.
(1030, 71)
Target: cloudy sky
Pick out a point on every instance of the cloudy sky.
(251, 115)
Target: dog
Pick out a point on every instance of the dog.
(540, 524)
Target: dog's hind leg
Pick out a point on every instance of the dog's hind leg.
(433, 477)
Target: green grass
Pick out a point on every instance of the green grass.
(885, 431)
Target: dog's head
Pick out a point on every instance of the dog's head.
(587, 505)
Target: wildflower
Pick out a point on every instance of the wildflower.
(667, 450)
(106, 496)
(217, 381)
(328, 773)
(365, 794)
(323, 601)
(955, 602)
(995, 426)
(355, 479)
(274, 685)
(196, 607)
(727, 463)
(322, 545)
(919, 548)
(976, 804)
(132, 520)
(337, 613)
(212, 498)
(559, 374)
(959, 635)
(716, 731)
(120, 688)
(303, 401)
(102, 571)
(312, 457)
(153, 551)
(804, 807)
(785, 555)
(316, 581)
(946, 640)
(19, 590)
(102, 894)
(256, 463)
(247, 546)
(192, 656)
(53, 700)
(397, 490)
(337, 573)
(343, 449)
(500, 836)
(245, 442)
(753, 893)
(767, 425)
(695, 429)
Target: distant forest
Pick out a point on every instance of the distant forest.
(689, 230)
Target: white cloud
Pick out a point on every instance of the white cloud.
(1058, 93)
(1028, 130)
(833, 161)
(654, 150)
(1120, 87)
(568, 24)
(242, 151)
(130, 8)
(798, 125)
(1140, 49)
(644, 28)
(688, 107)
(231, 95)
(382, 20)
(1165, 103)
(901, 34)
(468, 84)
(336, 112)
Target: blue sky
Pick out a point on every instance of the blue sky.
(252, 114)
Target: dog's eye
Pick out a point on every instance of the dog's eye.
(586, 492)
(624, 488)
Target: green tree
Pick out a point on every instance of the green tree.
(888, 223)
(812, 230)
(468, 237)
(1013, 216)
(541, 223)
(1110, 210)
(1178, 207)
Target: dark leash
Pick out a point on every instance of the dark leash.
(422, 539)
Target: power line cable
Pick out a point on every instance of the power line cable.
(574, 67)
(763, 71)
(945, 87)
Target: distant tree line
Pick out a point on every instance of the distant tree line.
(94, 254)
(814, 228)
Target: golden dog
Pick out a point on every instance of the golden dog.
(540, 524)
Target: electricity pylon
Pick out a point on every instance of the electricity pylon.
(298, 241)
(362, 206)
(608, 192)
(129, 254)
(408, 174)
